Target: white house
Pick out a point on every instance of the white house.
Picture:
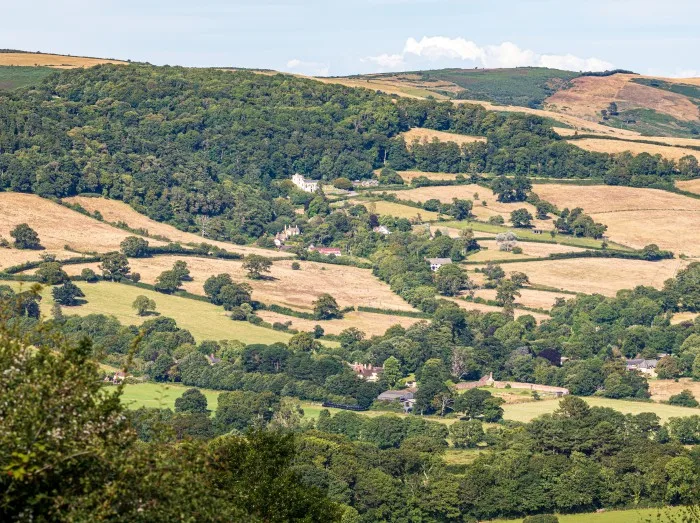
(436, 263)
(304, 184)
(381, 229)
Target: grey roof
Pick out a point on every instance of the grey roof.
(392, 395)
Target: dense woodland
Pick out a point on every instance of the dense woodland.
(181, 143)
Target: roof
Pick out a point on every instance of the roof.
(391, 395)
(439, 261)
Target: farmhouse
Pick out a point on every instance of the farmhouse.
(367, 371)
(283, 236)
(326, 251)
(382, 230)
(304, 184)
(405, 397)
(436, 263)
(643, 366)
(488, 381)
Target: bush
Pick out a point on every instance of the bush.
(89, 275)
(296, 266)
(496, 220)
(238, 314)
(517, 250)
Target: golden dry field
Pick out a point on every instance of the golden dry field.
(482, 307)
(690, 185)
(370, 323)
(53, 60)
(409, 176)
(426, 135)
(668, 140)
(662, 390)
(115, 211)
(468, 192)
(287, 287)
(680, 317)
(57, 226)
(530, 250)
(617, 146)
(635, 217)
(528, 297)
(589, 94)
(597, 275)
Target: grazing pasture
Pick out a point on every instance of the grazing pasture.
(427, 135)
(597, 275)
(161, 396)
(618, 146)
(529, 297)
(655, 515)
(635, 217)
(117, 211)
(370, 323)
(350, 286)
(396, 209)
(204, 320)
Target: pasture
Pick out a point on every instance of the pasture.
(597, 275)
(643, 515)
(533, 298)
(484, 308)
(618, 146)
(423, 135)
(161, 396)
(530, 250)
(118, 211)
(635, 217)
(285, 286)
(57, 61)
(370, 323)
(409, 176)
(398, 210)
(204, 320)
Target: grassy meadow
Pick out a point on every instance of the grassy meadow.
(651, 515)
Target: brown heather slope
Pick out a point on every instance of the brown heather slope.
(56, 61)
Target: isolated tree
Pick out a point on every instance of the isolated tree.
(493, 272)
(450, 279)
(192, 400)
(182, 271)
(88, 275)
(67, 293)
(506, 241)
(143, 305)
(520, 279)
(326, 308)
(51, 273)
(114, 266)
(684, 398)
(256, 265)
(342, 183)
(521, 218)
(25, 237)
(134, 247)
(167, 282)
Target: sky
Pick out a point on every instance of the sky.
(329, 37)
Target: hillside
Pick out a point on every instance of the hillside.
(645, 105)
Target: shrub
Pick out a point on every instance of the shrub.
(296, 266)
(238, 314)
(89, 275)
(496, 220)
(517, 250)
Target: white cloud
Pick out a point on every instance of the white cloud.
(507, 54)
(309, 68)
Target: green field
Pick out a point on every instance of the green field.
(13, 76)
(530, 410)
(652, 515)
(204, 320)
(161, 395)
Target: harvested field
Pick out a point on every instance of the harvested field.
(11, 257)
(662, 390)
(370, 323)
(635, 217)
(53, 60)
(482, 307)
(427, 135)
(287, 287)
(617, 146)
(597, 275)
(668, 140)
(467, 192)
(529, 297)
(690, 186)
(397, 209)
(57, 226)
(117, 211)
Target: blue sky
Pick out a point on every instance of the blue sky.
(359, 36)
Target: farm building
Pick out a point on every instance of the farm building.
(405, 397)
(304, 184)
(643, 366)
(283, 236)
(326, 251)
(436, 263)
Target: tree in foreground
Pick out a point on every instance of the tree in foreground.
(25, 237)
(143, 305)
(326, 308)
(69, 453)
(256, 265)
